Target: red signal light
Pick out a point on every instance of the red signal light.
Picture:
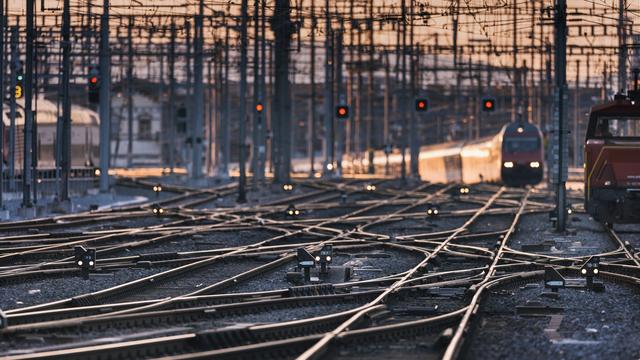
(342, 112)
(259, 107)
(93, 80)
(421, 105)
(488, 104)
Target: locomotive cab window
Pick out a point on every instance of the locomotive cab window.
(521, 144)
(617, 127)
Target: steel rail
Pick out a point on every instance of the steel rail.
(318, 348)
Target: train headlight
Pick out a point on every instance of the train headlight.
(97, 172)
(508, 164)
(520, 130)
(607, 183)
(534, 164)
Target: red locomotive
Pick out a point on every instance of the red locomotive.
(612, 161)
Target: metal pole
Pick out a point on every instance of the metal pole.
(515, 74)
(413, 136)
(387, 103)
(311, 127)
(263, 91)
(226, 138)
(28, 121)
(130, 93)
(576, 118)
(2, 24)
(403, 102)
(15, 62)
(105, 98)
(328, 94)
(257, 121)
(198, 94)
(340, 124)
(172, 89)
(561, 109)
(622, 51)
(211, 103)
(370, 87)
(242, 197)
(65, 164)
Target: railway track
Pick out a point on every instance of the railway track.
(411, 276)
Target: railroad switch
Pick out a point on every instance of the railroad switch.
(311, 290)
(85, 259)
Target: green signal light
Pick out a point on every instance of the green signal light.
(20, 77)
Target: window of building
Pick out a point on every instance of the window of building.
(144, 127)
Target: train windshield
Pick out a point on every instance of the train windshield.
(617, 127)
(521, 144)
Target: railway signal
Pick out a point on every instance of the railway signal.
(432, 211)
(287, 187)
(292, 212)
(157, 189)
(325, 257)
(157, 210)
(370, 187)
(259, 108)
(85, 259)
(342, 112)
(422, 105)
(488, 104)
(591, 269)
(93, 84)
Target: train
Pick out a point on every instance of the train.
(85, 134)
(612, 161)
(514, 157)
